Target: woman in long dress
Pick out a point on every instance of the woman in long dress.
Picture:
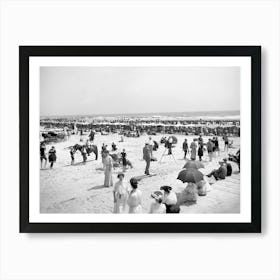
(193, 147)
(120, 194)
(108, 165)
(134, 198)
(189, 194)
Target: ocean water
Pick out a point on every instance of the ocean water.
(159, 115)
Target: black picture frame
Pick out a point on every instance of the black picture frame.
(25, 52)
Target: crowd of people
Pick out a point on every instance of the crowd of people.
(164, 200)
(128, 199)
(134, 127)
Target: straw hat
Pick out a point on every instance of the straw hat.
(157, 195)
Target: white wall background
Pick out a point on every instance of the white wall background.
(139, 256)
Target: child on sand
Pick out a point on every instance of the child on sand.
(120, 194)
(124, 161)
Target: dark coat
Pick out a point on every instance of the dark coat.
(200, 151)
(229, 169)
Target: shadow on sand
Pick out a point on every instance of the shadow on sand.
(97, 187)
(78, 163)
(64, 201)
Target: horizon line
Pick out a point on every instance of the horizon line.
(155, 113)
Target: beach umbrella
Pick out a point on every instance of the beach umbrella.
(190, 175)
(174, 139)
(193, 164)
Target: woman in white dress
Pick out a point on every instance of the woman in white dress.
(108, 164)
(157, 207)
(134, 198)
(120, 194)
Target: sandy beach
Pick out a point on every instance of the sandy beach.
(79, 188)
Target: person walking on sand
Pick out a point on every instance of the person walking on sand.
(185, 148)
(147, 158)
(124, 161)
(210, 146)
(108, 164)
(200, 140)
(43, 154)
(52, 156)
(120, 194)
(200, 152)
(193, 147)
(134, 198)
(91, 135)
(225, 138)
(151, 145)
(157, 207)
(216, 143)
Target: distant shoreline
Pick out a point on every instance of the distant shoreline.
(207, 115)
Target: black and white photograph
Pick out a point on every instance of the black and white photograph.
(135, 140)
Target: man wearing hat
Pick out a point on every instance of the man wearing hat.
(219, 173)
(147, 157)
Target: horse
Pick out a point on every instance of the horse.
(90, 149)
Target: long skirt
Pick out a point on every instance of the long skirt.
(135, 209)
(108, 181)
(120, 204)
(193, 154)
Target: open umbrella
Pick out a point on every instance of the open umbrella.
(173, 138)
(190, 175)
(193, 164)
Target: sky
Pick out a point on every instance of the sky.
(120, 90)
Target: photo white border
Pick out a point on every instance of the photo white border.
(245, 140)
